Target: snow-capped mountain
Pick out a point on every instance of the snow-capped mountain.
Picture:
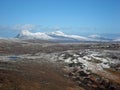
(58, 36)
(25, 34)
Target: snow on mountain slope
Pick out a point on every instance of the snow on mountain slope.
(57, 33)
(58, 36)
(25, 34)
(94, 36)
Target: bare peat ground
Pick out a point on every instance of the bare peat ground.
(33, 76)
(33, 65)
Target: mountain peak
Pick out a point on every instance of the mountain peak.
(59, 33)
(25, 34)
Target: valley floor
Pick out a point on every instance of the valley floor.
(33, 65)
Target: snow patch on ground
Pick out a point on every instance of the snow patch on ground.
(91, 60)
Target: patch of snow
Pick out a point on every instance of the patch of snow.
(75, 60)
(68, 60)
(104, 65)
(25, 34)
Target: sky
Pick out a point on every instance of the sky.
(80, 17)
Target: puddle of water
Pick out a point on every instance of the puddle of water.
(13, 57)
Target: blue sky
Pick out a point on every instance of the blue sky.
(71, 16)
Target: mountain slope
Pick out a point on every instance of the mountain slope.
(25, 34)
(58, 36)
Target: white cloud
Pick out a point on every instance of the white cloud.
(24, 27)
(19, 27)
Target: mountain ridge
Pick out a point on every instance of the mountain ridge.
(59, 36)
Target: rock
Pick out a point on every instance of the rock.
(94, 86)
(82, 73)
(75, 69)
(67, 55)
(73, 78)
(85, 81)
(71, 64)
(71, 74)
(77, 79)
(106, 83)
(114, 57)
(78, 82)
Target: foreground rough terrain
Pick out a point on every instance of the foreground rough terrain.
(43, 65)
